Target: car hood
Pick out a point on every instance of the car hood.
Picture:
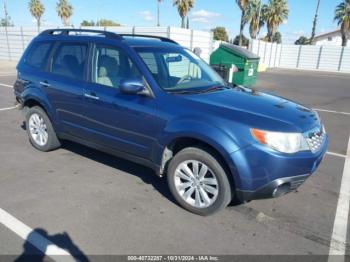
(261, 110)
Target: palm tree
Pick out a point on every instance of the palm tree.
(275, 13)
(302, 41)
(342, 16)
(253, 16)
(243, 4)
(183, 7)
(313, 32)
(158, 11)
(64, 11)
(37, 10)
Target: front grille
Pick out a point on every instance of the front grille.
(315, 139)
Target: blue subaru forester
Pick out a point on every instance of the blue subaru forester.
(151, 101)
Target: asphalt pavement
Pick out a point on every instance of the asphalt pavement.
(102, 205)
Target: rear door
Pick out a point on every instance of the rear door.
(66, 83)
(32, 68)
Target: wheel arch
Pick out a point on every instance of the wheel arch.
(181, 142)
(31, 102)
(36, 98)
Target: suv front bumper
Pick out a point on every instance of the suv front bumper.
(260, 172)
(275, 188)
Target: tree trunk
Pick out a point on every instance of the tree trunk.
(38, 24)
(253, 31)
(344, 39)
(240, 42)
(65, 21)
(183, 22)
(270, 37)
(271, 32)
(314, 23)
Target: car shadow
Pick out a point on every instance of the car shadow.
(38, 241)
(146, 174)
(24, 126)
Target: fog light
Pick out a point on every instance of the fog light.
(281, 190)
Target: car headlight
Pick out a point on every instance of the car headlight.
(280, 141)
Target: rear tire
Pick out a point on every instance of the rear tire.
(40, 131)
(198, 181)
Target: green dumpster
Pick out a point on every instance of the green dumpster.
(227, 56)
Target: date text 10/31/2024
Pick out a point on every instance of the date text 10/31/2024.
(173, 258)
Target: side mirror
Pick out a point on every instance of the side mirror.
(133, 86)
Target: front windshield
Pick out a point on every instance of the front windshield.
(178, 70)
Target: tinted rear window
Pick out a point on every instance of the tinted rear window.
(69, 60)
(38, 54)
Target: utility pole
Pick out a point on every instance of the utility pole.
(158, 12)
(315, 22)
(6, 33)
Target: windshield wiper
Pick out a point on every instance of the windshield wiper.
(214, 88)
(189, 92)
(184, 92)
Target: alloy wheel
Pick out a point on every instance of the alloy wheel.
(38, 129)
(196, 183)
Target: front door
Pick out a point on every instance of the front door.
(127, 123)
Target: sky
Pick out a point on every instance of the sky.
(206, 15)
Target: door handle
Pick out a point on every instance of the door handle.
(44, 83)
(92, 96)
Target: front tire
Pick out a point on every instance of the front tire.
(198, 181)
(40, 130)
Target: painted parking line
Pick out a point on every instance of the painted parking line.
(5, 85)
(335, 154)
(41, 243)
(332, 111)
(8, 108)
(6, 74)
(338, 241)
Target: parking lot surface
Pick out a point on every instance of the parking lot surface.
(104, 205)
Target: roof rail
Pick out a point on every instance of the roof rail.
(66, 31)
(163, 39)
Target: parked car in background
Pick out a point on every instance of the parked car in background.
(149, 100)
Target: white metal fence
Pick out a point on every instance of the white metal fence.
(327, 58)
(14, 40)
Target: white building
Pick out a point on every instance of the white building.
(330, 38)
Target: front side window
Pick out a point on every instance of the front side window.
(111, 65)
(69, 60)
(179, 70)
(38, 55)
